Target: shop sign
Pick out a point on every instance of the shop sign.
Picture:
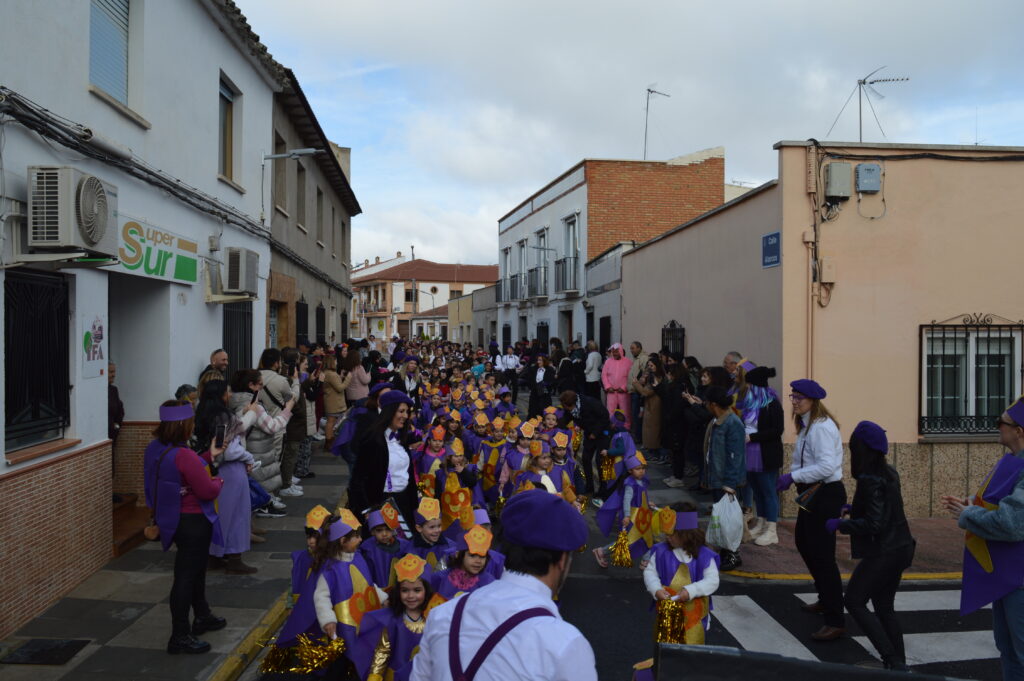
(158, 253)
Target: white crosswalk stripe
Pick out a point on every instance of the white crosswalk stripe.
(943, 647)
(754, 629)
(915, 601)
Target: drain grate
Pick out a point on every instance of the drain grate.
(53, 651)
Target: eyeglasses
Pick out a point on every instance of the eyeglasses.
(797, 397)
(1008, 424)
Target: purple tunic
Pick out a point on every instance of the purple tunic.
(495, 564)
(167, 493)
(381, 561)
(234, 509)
(609, 516)
(446, 589)
(404, 643)
(302, 564)
(667, 564)
(434, 554)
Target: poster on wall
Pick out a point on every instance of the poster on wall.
(94, 345)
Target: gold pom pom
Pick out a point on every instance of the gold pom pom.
(581, 502)
(607, 468)
(620, 551)
(316, 654)
(499, 506)
(670, 624)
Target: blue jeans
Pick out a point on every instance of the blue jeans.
(762, 486)
(635, 402)
(1008, 629)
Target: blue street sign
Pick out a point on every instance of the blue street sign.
(771, 250)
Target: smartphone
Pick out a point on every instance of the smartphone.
(255, 396)
(221, 433)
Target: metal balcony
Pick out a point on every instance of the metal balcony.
(566, 276)
(537, 282)
(517, 287)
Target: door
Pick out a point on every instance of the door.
(272, 326)
(605, 333)
(506, 336)
(590, 328)
(237, 336)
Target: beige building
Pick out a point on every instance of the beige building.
(879, 270)
(460, 319)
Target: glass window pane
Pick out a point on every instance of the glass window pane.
(993, 375)
(946, 377)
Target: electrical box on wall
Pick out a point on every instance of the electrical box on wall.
(838, 175)
(869, 178)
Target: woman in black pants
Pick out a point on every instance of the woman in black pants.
(880, 537)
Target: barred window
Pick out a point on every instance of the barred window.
(971, 370)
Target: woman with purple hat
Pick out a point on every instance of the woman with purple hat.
(181, 491)
(880, 537)
(817, 470)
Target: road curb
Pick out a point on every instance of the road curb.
(249, 647)
(791, 577)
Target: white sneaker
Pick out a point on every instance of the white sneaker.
(674, 482)
(768, 536)
(291, 492)
(295, 481)
(277, 504)
(319, 436)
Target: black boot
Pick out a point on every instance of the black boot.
(730, 560)
(187, 644)
(201, 625)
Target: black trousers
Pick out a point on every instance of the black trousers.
(512, 381)
(188, 591)
(877, 578)
(591, 448)
(592, 389)
(817, 547)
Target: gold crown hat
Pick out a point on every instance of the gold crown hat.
(527, 429)
(514, 422)
(457, 448)
(410, 568)
(456, 415)
(479, 404)
(478, 540)
(550, 410)
(429, 509)
(474, 395)
(437, 433)
(348, 517)
(315, 517)
(457, 394)
(489, 396)
(536, 447)
(498, 423)
(561, 439)
(481, 419)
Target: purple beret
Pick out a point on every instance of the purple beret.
(541, 520)
(397, 357)
(394, 397)
(808, 388)
(1016, 412)
(337, 530)
(872, 435)
(380, 386)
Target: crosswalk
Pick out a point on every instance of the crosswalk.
(770, 621)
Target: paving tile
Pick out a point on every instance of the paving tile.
(144, 561)
(138, 587)
(114, 663)
(152, 630)
(41, 672)
(84, 618)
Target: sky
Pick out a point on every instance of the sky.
(457, 111)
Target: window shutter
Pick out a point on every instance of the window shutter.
(108, 47)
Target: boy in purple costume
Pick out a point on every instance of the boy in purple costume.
(383, 549)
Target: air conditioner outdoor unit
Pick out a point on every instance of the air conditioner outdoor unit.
(397, 309)
(243, 265)
(71, 210)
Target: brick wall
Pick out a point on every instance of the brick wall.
(131, 443)
(56, 531)
(636, 200)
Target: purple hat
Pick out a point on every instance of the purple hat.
(747, 365)
(872, 435)
(619, 415)
(503, 390)
(397, 357)
(337, 530)
(178, 412)
(394, 397)
(635, 461)
(480, 516)
(686, 520)
(808, 388)
(541, 520)
(380, 386)
(1016, 411)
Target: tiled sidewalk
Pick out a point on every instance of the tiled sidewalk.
(122, 609)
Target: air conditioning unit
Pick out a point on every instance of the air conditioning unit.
(397, 309)
(243, 265)
(71, 210)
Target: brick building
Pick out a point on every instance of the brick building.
(385, 301)
(545, 242)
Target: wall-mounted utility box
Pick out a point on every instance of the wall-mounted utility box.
(838, 176)
(869, 178)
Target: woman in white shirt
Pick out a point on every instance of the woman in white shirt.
(592, 371)
(817, 470)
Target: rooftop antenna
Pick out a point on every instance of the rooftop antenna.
(647, 111)
(863, 84)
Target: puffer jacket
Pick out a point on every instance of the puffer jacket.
(877, 522)
(260, 441)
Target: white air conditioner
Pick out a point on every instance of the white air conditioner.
(243, 265)
(71, 210)
(397, 309)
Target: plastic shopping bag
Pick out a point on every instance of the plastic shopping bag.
(726, 527)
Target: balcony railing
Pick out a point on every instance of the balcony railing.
(957, 425)
(501, 291)
(371, 307)
(517, 287)
(566, 275)
(538, 282)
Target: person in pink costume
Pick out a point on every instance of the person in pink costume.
(615, 379)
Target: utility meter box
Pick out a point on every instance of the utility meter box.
(869, 178)
(838, 176)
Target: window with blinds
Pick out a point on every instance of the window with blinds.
(108, 47)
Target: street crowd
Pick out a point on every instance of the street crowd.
(462, 515)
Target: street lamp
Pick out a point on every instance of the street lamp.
(291, 153)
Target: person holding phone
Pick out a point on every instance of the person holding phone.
(217, 427)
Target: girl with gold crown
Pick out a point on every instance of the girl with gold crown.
(541, 474)
(466, 570)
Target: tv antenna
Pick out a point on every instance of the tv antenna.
(647, 111)
(864, 89)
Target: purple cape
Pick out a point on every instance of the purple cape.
(490, 458)
(444, 587)
(980, 586)
(167, 493)
(302, 564)
(609, 516)
(382, 562)
(434, 554)
(404, 643)
(347, 430)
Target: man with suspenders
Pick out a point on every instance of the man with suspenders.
(510, 629)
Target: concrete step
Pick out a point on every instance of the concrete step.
(128, 525)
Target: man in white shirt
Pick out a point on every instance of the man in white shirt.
(511, 630)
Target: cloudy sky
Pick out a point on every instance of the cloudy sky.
(456, 111)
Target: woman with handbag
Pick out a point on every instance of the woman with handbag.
(817, 470)
(181, 491)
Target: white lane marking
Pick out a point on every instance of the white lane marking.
(910, 601)
(754, 629)
(946, 646)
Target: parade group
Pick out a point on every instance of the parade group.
(452, 491)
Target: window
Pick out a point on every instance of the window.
(542, 244)
(506, 262)
(301, 323)
(37, 393)
(280, 173)
(108, 47)
(300, 195)
(970, 372)
(410, 295)
(226, 125)
(454, 293)
(321, 324)
(319, 215)
(334, 232)
(673, 337)
(572, 244)
(522, 256)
